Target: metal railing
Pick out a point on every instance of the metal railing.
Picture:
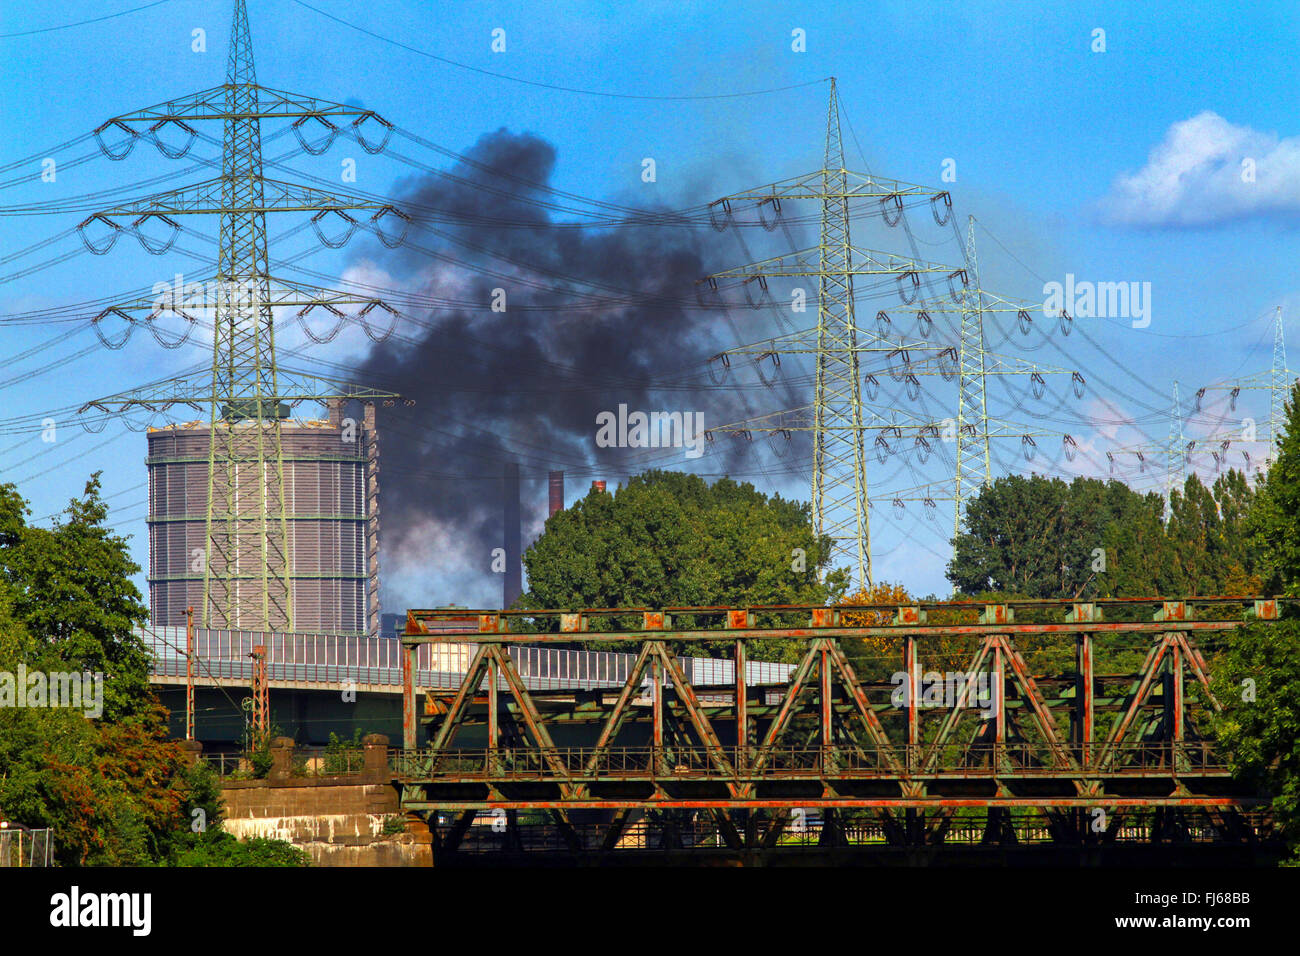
(955, 760)
(333, 660)
(314, 762)
(21, 847)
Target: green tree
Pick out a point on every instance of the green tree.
(1257, 679)
(1034, 536)
(113, 790)
(70, 585)
(1049, 539)
(1195, 533)
(108, 790)
(1273, 522)
(204, 842)
(669, 538)
(1139, 562)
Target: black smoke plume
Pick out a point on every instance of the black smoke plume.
(595, 316)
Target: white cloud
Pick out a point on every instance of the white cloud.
(1196, 177)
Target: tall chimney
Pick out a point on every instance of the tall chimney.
(334, 410)
(513, 584)
(557, 492)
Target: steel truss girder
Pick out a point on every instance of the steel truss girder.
(901, 767)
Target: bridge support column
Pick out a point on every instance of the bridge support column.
(408, 696)
(913, 668)
(742, 708)
(1084, 688)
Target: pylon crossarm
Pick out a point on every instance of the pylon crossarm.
(808, 262)
(1003, 429)
(294, 388)
(803, 419)
(925, 497)
(996, 364)
(805, 342)
(280, 293)
(989, 302)
(206, 199)
(813, 186)
(211, 104)
(1259, 380)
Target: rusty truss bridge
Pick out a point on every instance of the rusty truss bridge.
(1031, 722)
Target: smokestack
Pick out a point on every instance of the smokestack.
(513, 584)
(557, 492)
(597, 486)
(334, 412)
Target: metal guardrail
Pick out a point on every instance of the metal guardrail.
(334, 660)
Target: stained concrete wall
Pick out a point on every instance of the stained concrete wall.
(338, 821)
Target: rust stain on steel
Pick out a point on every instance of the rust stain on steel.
(909, 615)
(825, 617)
(930, 630)
(819, 703)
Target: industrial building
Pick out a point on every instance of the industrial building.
(331, 510)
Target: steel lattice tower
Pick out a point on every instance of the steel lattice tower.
(1177, 460)
(1279, 383)
(247, 560)
(973, 465)
(838, 418)
(839, 485)
(243, 371)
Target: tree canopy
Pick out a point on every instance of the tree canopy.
(669, 538)
(1257, 679)
(113, 789)
(1274, 521)
(1046, 538)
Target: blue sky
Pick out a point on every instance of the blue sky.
(1120, 165)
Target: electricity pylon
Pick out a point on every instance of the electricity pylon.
(839, 479)
(1178, 448)
(1280, 382)
(247, 565)
(838, 418)
(973, 465)
(1277, 381)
